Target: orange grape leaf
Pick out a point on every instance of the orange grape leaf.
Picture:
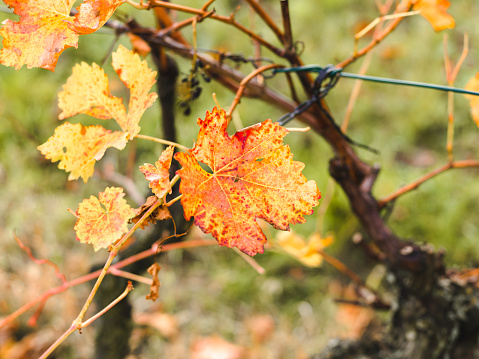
(138, 77)
(253, 175)
(41, 34)
(435, 11)
(87, 91)
(473, 85)
(92, 14)
(159, 175)
(46, 28)
(78, 147)
(159, 214)
(307, 253)
(103, 221)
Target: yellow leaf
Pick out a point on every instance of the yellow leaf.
(435, 11)
(307, 253)
(87, 91)
(78, 147)
(103, 220)
(138, 77)
(473, 85)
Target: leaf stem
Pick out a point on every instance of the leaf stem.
(174, 180)
(413, 185)
(243, 84)
(160, 140)
(167, 204)
(297, 129)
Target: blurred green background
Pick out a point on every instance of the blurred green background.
(212, 291)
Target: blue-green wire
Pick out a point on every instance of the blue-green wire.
(339, 72)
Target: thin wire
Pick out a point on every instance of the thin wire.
(320, 90)
(339, 72)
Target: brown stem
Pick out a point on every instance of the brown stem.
(243, 84)
(225, 19)
(415, 184)
(288, 35)
(88, 277)
(266, 18)
(374, 42)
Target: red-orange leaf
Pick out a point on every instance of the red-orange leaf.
(92, 14)
(159, 175)
(103, 221)
(41, 34)
(253, 175)
(46, 28)
(78, 147)
(473, 85)
(435, 11)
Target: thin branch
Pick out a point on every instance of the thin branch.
(363, 289)
(128, 275)
(243, 84)
(225, 19)
(298, 129)
(415, 184)
(73, 327)
(266, 18)
(90, 276)
(375, 41)
(113, 252)
(250, 261)
(58, 341)
(58, 273)
(288, 35)
(165, 142)
(207, 4)
(127, 290)
(167, 204)
(355, 91)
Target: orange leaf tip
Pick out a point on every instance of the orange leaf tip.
(159, 175)
(435, 11)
